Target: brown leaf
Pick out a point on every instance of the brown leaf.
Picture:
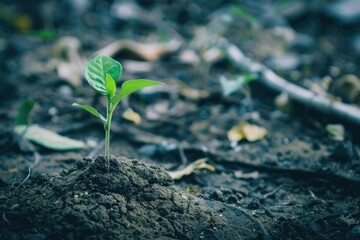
(132, 116)
(240, 174)
(147, 51)
(247, 131)
(70, 64)
(199, 164)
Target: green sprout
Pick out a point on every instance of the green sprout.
(102, 73)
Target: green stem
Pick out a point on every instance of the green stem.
(107, 127)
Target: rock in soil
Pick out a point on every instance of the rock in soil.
(132, 200)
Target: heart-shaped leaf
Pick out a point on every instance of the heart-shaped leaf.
(96, 70)
(131, 86)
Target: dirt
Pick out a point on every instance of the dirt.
(131, 200)
(295, 183)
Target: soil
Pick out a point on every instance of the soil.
(295, 183)
(131, 200)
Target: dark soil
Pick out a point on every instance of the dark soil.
(132, 200)
(295, 183)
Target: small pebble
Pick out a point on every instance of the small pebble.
(65, 90)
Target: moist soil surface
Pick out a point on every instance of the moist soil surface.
(299, 181)
(131, 200)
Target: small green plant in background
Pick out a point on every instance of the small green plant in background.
(103, 73)
(229, 86)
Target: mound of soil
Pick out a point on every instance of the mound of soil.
(133, 200)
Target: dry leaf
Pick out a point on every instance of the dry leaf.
(132, 116)
(13, 170)
(199, 164)
(194, 94)
(137, 66)
(190, 57)
(127, 10)
(247, 131)
(157, 110)
(70, 64)
(347, 88)
(147, 51)
(213, 55)
(283, 103)
(240, 174)
(349, 219)
(70, 73)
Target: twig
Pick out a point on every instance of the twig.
(26, 178)
(269, 194)
(235, 163)
(304, 96)
(315, 197)
(182, 156)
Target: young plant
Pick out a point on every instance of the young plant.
(102, 73)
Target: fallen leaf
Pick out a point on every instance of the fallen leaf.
(284, 103)
(240, 174)
(147, 51)
(13, 170)
(132, 116)
(127, 11)
(70, 64)
(347, 88)
(349, 219)
(194, 94)
(137, 66)
(70, 73)
(213, 55)
(190, 57)
(48, 139)
(247, 131)
(158, 110)
(199, 164)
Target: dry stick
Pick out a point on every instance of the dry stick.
(304, 96)
(213, 155)
(26, 178)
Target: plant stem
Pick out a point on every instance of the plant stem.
(107, 127)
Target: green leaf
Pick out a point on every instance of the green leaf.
(22, 116)
(131, 86)
(230, 86)
(48, 139)
(110, 85)
(46, 34)
(91, 110)
(96, 70)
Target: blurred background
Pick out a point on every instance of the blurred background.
(212, 108)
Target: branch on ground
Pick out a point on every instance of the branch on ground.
(302, 95)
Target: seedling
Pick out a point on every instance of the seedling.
(102, 73)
